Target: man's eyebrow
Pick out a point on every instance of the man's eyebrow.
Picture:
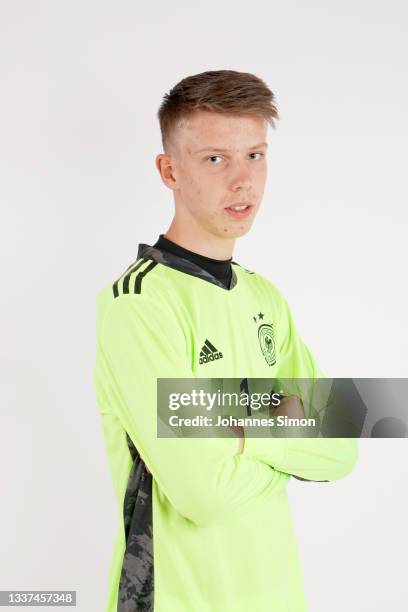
(258, 146)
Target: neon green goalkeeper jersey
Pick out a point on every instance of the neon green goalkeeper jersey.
(201, 527)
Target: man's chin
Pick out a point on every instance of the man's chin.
(236, 230)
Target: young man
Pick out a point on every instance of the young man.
(204, 524)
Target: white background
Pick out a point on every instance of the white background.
(81, 83)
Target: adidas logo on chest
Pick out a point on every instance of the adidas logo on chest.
(209, 353)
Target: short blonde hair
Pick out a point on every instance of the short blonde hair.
(218, 91)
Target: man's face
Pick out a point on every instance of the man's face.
(218, 161)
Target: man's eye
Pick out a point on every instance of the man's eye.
(212, 157)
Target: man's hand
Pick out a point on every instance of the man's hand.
(290, 406)
(239, 432)
(241, 442)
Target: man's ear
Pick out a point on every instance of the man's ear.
(164, 165)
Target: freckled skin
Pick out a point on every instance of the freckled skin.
(204, 184)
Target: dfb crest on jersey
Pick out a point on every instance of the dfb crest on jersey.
(266, 338)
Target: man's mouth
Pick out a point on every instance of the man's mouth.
(239, 210)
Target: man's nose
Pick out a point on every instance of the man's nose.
(241, 177)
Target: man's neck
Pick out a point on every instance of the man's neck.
(208, 246)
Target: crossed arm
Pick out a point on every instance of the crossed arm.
(291, 407)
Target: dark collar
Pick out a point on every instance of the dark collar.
(171, 260)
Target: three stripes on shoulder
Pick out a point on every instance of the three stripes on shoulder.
(131, 279)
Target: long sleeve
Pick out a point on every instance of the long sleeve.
(318, 459)
(140, 340)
